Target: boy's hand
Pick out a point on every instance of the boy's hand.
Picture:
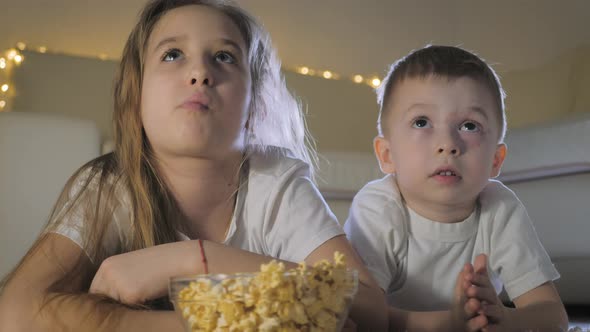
(482, 290)
(465, 311)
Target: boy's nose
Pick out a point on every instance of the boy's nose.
(448, 150)
(450, 144)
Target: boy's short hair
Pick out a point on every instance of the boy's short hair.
(442, 61)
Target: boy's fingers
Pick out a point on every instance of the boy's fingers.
(480, 264)
(481, 280)
(483, 294)
(477, 323)
(472, 306)
(494, 312)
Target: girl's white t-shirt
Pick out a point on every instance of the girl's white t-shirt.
(416, 261)
(279, 212)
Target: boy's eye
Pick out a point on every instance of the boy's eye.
(172, 55)
(420, 123)
(469, 126)
(226, 57)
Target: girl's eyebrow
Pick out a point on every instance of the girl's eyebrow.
(176, 39)
(169, 40)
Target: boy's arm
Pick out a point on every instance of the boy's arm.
(538, 309)
(463, 315)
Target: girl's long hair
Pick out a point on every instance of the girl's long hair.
(127, 178)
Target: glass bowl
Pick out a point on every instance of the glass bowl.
(296, 300)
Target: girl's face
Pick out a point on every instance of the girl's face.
(196, 85)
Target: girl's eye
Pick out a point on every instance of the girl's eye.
(469, 126)
(172, 55)
(421, 123)
(226, 57)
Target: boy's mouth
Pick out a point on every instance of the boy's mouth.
(446, 171)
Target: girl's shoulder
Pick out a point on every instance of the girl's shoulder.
(99, 175)
(275, 162)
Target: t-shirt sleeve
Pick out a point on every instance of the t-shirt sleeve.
(517, 254)
(376, 229)
(299, 219)
(73, 220)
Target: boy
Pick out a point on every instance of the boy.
(441, 129)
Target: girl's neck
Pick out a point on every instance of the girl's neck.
(204, 190)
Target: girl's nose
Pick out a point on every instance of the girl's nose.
(200, 74)
(204, 81)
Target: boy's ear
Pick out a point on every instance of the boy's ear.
(383, 153)
(499, 157)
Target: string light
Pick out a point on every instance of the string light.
(14, 56)
(375, 82)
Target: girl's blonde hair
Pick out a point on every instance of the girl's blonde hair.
(275, 119)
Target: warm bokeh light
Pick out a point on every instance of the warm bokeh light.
(42, 49)
(327, 74)
(11, 54)
(375, 82)
(4, 87)
(358, 79)
(18, 59)
(2, 104)
(21, 46)
(304, 70)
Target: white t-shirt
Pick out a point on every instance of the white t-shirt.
(279, 212)
(416, 261)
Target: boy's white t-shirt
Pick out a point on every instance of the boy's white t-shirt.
(279, 212)
(416, 261)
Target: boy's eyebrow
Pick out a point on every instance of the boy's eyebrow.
(427, 106)
(478, 110)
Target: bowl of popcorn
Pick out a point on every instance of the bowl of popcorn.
(305, 298)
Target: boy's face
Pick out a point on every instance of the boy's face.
(441, 141)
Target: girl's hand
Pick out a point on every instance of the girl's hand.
(465, 311)
(483, 290)
(139, 276)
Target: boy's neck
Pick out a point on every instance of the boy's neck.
(443, 213)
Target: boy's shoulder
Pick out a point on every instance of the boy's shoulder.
(495, 192)
(384, 190)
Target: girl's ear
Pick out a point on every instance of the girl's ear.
(499, 157)
(383, 153)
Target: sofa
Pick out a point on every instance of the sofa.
(38, 153)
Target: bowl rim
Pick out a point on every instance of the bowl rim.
(224, 276)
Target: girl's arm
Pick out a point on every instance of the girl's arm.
(22, 306)
(122, 278)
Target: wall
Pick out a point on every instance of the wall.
(340, 114)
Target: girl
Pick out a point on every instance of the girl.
(210, 149)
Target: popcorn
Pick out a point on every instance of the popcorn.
(275, 299)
